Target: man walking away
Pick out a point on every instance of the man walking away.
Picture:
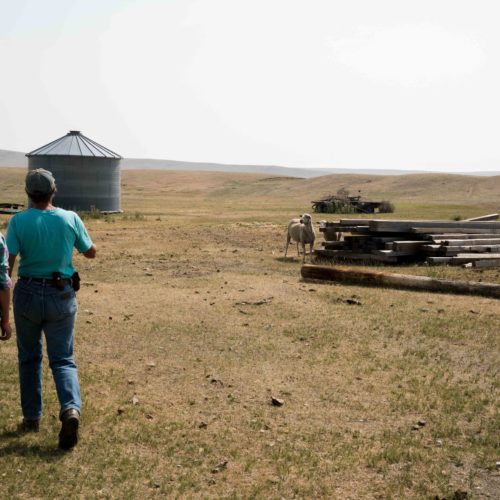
(44, 300)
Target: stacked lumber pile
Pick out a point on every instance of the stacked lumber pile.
(472, 242)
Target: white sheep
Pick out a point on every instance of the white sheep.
(301, 231)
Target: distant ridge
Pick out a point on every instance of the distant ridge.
(18, 159)
(12, 159)
(150, 164)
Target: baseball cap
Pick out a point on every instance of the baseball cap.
(40, 181)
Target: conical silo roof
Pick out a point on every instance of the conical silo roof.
(74, 143)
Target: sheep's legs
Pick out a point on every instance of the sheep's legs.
(287, 243)
(303, 245)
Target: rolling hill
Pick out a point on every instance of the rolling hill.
(18, 159)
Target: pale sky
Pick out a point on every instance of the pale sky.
(395, 84)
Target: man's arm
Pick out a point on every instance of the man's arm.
(12, 260)
(91, 252)
(5, 330)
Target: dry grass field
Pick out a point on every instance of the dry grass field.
(190, 321)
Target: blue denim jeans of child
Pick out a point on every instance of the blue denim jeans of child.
(41, 306)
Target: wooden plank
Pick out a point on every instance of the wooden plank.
(472, 249)
(484, 217)
(439, 238)
(408, 225)
(344, 229)
(387, 239)
(456, 230)
(392, 252)
(378, 278)
(448, 252)
(354, 229)
(483, 255)
(357, 242)
(355, 222)
(486, 263)
(348, 255)
(462, 258)
(366, 230)
(459, 236)
(477, 241)
(431, 249)
(358, 237)
(409, 245)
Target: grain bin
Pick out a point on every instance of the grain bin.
(87, 174)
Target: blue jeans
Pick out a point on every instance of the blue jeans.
(40, 306)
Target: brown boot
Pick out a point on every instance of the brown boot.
(32, 425)
(68, 436)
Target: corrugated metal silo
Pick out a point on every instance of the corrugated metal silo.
(87, 174)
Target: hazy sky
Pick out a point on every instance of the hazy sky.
(307, 83)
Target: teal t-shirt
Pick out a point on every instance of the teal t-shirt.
(44, 240)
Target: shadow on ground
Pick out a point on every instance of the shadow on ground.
(11, 444)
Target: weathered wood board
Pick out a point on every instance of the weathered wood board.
(413, 246)
(407, 225)
(486, 263)
(477, 241)
(484, 217)
(378, 278)
(459, 236)
(454, 230)
(349, 255)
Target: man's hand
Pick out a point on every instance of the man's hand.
(6, 331)
(90, 253)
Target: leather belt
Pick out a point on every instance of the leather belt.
(50, 281)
